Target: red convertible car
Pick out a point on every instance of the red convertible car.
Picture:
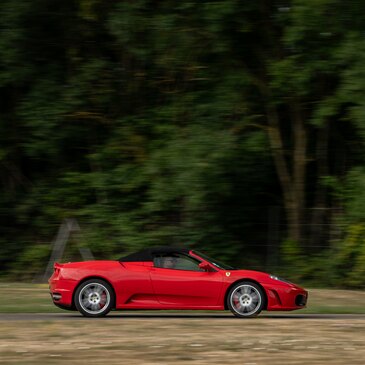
(169, 278)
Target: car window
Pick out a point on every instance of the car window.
(177, 262)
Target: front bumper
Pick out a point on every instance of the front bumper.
(286, 298)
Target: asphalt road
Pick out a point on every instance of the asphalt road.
(143, 315)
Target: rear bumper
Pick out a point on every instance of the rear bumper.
(61, 291)
(66, 307)
(282, 298)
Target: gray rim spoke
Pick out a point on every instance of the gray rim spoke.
(254, 295)
(251, 307)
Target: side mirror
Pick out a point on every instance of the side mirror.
(204, 266)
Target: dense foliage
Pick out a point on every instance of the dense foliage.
(232, 126)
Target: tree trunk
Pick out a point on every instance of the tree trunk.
(291, 172)
(299, 172)
(319, 212)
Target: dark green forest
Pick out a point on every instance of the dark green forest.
(233, 127)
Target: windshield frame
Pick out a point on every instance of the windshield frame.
(216, 263)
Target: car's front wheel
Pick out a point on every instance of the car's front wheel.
(94, 298)
(246, 299)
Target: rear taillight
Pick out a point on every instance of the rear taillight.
(57, 269)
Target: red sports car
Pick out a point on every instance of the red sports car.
(169, 278)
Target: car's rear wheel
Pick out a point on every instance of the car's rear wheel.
(94, 298)
(246, 299)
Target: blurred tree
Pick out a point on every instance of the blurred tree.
(164, 122)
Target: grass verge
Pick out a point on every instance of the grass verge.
(35, 298)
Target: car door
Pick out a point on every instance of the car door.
(134, 288)
(184, 284)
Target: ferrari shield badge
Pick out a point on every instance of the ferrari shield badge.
(228, 273)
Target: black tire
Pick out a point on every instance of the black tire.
(94, 298)
(246, 299)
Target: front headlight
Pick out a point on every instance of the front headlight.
(280, 279)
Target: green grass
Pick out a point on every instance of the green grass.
(335, 301)
(35, 298)
(26, 298)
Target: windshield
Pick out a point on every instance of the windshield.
(216, 263)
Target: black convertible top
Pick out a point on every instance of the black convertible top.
(149, 253)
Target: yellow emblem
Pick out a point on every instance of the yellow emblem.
(228, 273)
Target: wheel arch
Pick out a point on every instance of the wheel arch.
(89, 278)
(245, 280)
